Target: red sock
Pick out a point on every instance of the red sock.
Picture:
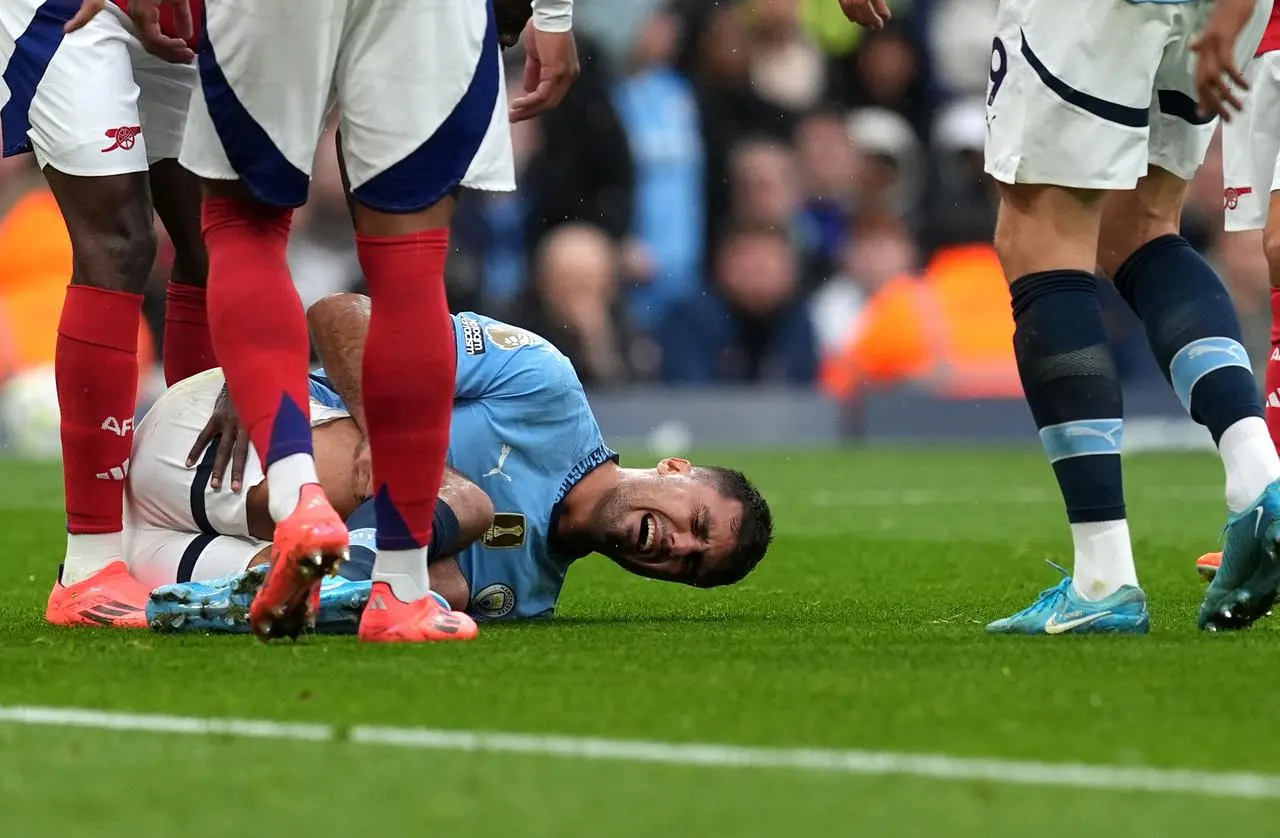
(96, 365)
(258, 326)
(1273, 371)
(188, 348)
(408, 380)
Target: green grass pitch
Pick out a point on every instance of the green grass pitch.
(862, 630)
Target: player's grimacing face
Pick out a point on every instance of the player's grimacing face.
(670, 526)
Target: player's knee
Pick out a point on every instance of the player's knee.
(1131, 219)
(1271, 247)
(1006, 245)
(474, 510)
(117, 257)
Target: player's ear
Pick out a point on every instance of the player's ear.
(674, 465)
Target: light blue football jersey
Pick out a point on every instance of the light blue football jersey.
(524, 433)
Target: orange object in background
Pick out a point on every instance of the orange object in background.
(35, 266)
(949, 330)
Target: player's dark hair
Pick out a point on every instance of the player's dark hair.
(754, 530)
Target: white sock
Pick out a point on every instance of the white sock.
(88, 554)
(285, 479)
(1250, 459)
(1104, 558)
(405, 571)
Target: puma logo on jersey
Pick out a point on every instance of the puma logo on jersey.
(497, 471)
(117, 473)
(116, 426)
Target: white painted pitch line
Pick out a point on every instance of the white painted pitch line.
(1011, 495)
(867, 763)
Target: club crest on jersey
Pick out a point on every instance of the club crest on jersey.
(1232, 194)
(506, 533)
(124, 138)
(511, 338)
(494, 602)
(472, 335)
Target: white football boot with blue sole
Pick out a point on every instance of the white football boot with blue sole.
(1060, 610)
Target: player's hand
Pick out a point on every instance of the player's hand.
(549, 70)
(869, 13)
(146, 20)
(1218, 79)
(233, 443)
(364, 470)
(88, 8)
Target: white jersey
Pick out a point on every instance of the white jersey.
(418, 84)
(1089, 93)
(90, 103)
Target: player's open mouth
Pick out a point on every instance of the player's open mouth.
(648, 533)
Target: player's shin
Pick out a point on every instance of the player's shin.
(408, 383)
(188, 346)
(1073, 391)
(96, 365)
(1194, 334)
(1273, 372)
(259, 333)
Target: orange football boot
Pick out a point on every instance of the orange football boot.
(309, 545)
(1207, 566)
(388, 620)
(110, 597)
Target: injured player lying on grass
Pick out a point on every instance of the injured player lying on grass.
(531, 488)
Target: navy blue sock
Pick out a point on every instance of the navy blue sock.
(1193, 331)
(445, 533)
(1071, 385)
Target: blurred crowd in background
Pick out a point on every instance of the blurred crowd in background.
(735, 191)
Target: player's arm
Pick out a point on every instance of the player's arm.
(551, 63)
(462, 515)
(335, 444)
(146, 23)
(1218, 79)
(339, 328)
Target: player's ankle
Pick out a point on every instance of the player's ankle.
(90, 553)
(285, 479)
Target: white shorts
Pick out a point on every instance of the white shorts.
(1089, 93)
(177, 528)
(1251, 149)
(418, 84)
(92, 103)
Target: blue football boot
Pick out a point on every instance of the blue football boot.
(1060, 610)
(1245, 585)
(221, 606)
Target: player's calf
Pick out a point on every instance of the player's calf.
(1073, 391)
(1271, 247)
(1194, 334)
(188, 346)
(108, 219)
